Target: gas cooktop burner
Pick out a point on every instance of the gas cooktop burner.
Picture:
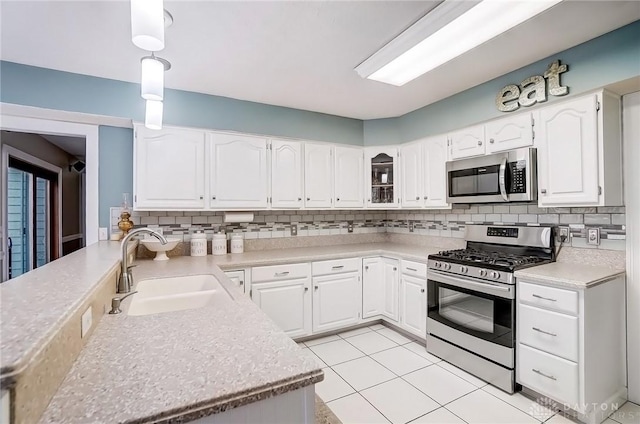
(492, 258)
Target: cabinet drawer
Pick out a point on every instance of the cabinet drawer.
(547, 374)
(548, 331)
(279, 272)
(548, 297)
(335, 266)
(414, 268)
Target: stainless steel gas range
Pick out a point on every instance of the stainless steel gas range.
(471, 298)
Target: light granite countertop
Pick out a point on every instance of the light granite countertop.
(35, 304)
(569, 275)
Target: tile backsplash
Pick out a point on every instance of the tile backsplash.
(442, 223)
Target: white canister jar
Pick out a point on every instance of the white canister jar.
(219, 244)
(237, 243)
(198, 244)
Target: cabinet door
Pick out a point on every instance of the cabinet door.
(411, 169)
(435, 172)
(237, 278)
(510, 133)
(318, 175)
(336, 301)
(169, 169)
(568, 153)
(238, 172)
(413, 305)
(381, 174)
(348, 177)
(372, 287)
(390, 306)
(286, 174)
(467, 142)
(287, 303)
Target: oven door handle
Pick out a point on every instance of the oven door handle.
(504, 291)
(503, 179)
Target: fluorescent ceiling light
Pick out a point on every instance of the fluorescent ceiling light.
(448, 31)
(153, 115)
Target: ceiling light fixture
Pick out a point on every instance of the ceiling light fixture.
(147, 24)
(152, 77)
(448, 31)
(153, 115)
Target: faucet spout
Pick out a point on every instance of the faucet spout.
(125, 281)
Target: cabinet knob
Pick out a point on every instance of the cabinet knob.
(366, 267)
(316, 287)
(299, 199)
(417, 197)
(241, 283)
(201, 197)
(395, 269)
(369, 200)
(337, 199)
(479, 142)
(426, 197)
(543, 191)
(491, 140)
(421, 290)
(306, 289)
(308, 198)
(213, 197)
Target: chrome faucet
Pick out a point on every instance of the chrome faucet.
(125, 282)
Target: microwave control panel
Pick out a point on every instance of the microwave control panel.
(517, 172)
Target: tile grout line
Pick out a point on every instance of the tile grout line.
(542, 421)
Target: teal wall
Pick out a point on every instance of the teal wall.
(599, 62)
(115, 173)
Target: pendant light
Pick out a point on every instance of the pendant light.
(147, 24)
(153, 115)
(152, 78)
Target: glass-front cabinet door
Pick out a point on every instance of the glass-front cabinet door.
(382, 177)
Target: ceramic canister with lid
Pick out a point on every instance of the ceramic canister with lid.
(237, 243)
(219, 244)
(198, 244)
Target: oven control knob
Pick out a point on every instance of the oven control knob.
(483, 272)
(463, 269)
(495, 275)
(437, 264)
(446, 266)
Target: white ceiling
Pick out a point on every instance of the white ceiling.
(298, 54)
(75, 146)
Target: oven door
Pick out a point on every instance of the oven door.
(476, 315)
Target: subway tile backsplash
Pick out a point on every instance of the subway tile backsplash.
(443, 223)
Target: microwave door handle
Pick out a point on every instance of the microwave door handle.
(502, 179)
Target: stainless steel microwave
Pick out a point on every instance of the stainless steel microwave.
(502, 177)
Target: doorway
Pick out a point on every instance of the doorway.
(32, 216)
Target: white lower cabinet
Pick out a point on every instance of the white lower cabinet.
(413, 298)
(239, 279)
(283, 293)
(571, 345)
(335, 301)
(380, 288)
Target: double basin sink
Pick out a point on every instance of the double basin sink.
(157, 295)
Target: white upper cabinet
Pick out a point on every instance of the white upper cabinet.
(286, 174)
(411, 169)
(467, 142)
(348, 177)
(512, 132)
(169, 169)
(318, 175)
(435, 172)
(579, 152)
(381, 176)
(239, 172)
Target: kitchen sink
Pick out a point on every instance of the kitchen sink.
(159, 295)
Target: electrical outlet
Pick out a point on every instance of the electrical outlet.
(411, 226)
(563, 234)
(350, 227)
(87, 320)
(593, 236)
(102, 233)
(294, 229)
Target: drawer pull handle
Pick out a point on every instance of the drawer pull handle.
(543, 374)
(337, 267)
(543, 298)
(412, 269)
(543, 332)
(282, 274)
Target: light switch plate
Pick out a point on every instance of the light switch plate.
(87, 321)
(102, 233)
(593, 236)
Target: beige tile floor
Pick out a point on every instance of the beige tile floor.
(377, 375)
